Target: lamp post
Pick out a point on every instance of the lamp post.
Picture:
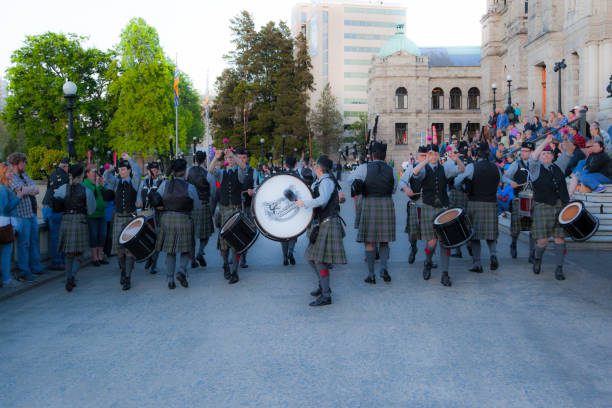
(509, 109)
(494, 87)
(557, 68)
(261, 141)
(70, 91)
(283, 151)
(195, 140)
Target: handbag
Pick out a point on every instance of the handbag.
(7, 234)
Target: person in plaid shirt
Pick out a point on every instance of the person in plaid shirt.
(28, 256)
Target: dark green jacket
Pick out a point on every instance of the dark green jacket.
(100, 204)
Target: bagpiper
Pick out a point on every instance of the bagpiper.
(148, 187)
(289, 245)
(204, 184)
(412, 188)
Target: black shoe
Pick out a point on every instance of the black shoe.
(285, 261)
(182, 279)
(371, 280)
(149, 262)
(316, 293)
(377, 254)
(291, 259)
(69, 284)
(537, 265)
(531, 259)
(201, 260)
(226, 271)
(321, 301)
(123, 277)
(385, 275)
(412, 256)
(457, 254)
(476, 269)
(194, 264)
(559, 273)
(427, 270)
(513, 252)
(103, 262)
(234, 278)
(445, 280)
(494, 262)
(171, 285)
(128, 284)
(96, 263)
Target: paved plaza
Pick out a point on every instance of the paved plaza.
(506, 338)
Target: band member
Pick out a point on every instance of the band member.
(204, 184)
(482, 178)
(325, 246)
(53, 212)
(78, 202)
(517, 176)
(289, 245)
(126, 195)
(550, 194)
(246, 194)
(377, 217)
(149, 185)
(412, 188)
(433, 177)
(230, 180)
(175, 235)
(458, 197)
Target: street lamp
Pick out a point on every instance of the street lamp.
(261, 141)
(70, 92)
(283, 150)
(194, 145)
(509, 108)
(558, 67)
(494, 86)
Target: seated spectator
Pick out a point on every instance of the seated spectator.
(599, 134)
(597, 170)
(8, 209)
(502, 121)
(505, 194)
(576, 137)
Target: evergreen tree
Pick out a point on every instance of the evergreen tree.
(326, 122)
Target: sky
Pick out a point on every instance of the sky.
(196, 31)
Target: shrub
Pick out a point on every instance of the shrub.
(41, 157)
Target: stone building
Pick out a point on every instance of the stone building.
(412, 89)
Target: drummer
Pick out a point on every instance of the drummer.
(327, 248)
(149, 185)
(517, 176)
(246, 192)
(230, 180)
(482, 178)
(377, 216)
(204, 184)
(126, 195)
(550, 194)
(457, 197)
(175, 235)
(412, 188)
(433, 177)
(289, 245)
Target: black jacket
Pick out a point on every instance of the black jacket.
(597, 163)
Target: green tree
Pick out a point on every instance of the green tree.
(36, 106)
(326, 122)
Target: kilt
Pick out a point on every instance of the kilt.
(202, 221)
(225, 212)
(457, 198)
(545, 223)
(377, 220)
(328, 247)
(518, 223)
(483, 216)
(119, 222)
(428, 213)
(413, 223)
(175, 234)
(73, 234)
(358, 205)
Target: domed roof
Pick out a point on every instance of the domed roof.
(399, 43)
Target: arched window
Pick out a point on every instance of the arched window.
(437, 99)
(401, 98)
(473, 98)
(455, 98)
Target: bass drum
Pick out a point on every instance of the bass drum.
(138, 237)
(274, 210)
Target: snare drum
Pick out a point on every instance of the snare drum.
(577, 221)
(453, 227)
(525, 203)
(239, 232)
(138, 237)
(274, 210)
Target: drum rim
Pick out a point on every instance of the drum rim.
(261, 229)
(579, 203)
(461, 211)
(144, 220)
(221, 231)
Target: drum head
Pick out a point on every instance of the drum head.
(130, 230)
(276, 216)
(230, 221)
(447, 216)
(570, 212)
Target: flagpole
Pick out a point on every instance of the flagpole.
(176, 143)
(207, 142)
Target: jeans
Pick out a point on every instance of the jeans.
(28, 256)
(5, 262)
(97, 232)
(592, 180)
(55, 221)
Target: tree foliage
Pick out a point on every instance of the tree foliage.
(326, 121)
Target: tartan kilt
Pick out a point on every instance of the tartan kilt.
(73, 234)
(545, 223)
(175, 233)
(518, 223)
(328, 247)
(377, 220)
(119, 222)
(457, 198)
(483, 216)
(428, 213)
(202, 221)
(358, 205)
(225, 212)
(413, 222)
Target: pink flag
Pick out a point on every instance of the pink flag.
(435, 135)
(89, 157)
